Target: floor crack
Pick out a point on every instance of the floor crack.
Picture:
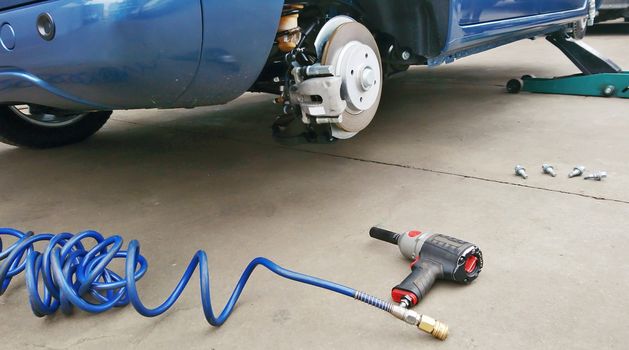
(472, 177)
(403, 166)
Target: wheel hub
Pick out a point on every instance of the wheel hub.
(360, 71)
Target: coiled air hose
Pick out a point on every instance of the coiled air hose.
(72, 275)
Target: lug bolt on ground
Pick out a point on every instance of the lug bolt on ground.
(577, 171)
(520, 171)
(549, 169)
(598, 176)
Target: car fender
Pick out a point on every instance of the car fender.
(131, 54)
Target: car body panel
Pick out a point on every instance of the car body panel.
(136, 53)
(560, 5)
(7, 4)
(462, 37)
(108, 53)
(479, 11)
(238, 40)
(126, 54)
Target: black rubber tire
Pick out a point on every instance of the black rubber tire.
(16, 131)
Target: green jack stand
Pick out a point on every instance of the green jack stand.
(600, 76)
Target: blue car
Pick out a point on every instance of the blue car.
(66, 64)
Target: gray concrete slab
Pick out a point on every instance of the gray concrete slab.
(439, 157)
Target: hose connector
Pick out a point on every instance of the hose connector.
(436, 328)
(424, 323)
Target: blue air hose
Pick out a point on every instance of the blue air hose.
(72, 275)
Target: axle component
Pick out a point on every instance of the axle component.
(334, 84)
(289, 32)
(353, 51)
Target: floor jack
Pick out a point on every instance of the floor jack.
(599, 75)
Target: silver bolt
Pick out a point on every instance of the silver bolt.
(549, 169)
(596, 176)
(276, 79)
(520, 171)
(577, 171)
(406, 55)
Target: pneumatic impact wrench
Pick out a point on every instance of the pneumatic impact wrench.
(434, 256)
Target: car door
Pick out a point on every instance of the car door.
(561, 5)
(480, 11)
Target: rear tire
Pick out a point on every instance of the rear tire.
(17, 130)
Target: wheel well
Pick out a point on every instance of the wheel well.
(408, 32)
(417, 25)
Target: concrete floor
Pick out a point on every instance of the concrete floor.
(439, 156)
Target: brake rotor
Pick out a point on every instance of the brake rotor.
(353, 52)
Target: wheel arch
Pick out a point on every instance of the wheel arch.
(417, 25)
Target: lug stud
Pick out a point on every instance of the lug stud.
(520, 171)
(598, 176)
(549, 169)
(577, 171)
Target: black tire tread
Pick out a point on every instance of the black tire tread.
(18, 132)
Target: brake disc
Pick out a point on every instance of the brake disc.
(353, 52)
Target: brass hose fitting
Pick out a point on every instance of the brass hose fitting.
(436, 328)
(424, 323)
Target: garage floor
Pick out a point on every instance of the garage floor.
(439, 157)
